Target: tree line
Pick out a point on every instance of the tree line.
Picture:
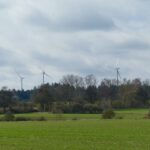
(76, 94)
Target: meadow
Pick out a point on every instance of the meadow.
(78, 132)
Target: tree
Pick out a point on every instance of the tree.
(72, 80)
(128, 93)
(44, 97)
(90, 80)
(107, 91)
(91, 93)
(6, 98)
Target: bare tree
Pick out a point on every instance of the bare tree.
(73, 80)
(90, 80)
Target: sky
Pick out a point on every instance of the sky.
(78, 37)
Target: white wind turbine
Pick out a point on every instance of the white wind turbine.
(21, 80)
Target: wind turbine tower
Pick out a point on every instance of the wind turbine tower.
(43, 76)
(21, 80)
(118, 75)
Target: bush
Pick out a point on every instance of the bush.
(147, 116)
(108, 114)
(59, 117)
(23, 107)
(30, 119)
(117, 104)
(40, 119)
(22, 119)
(92, 108)
(75, 118)
(60, 107)
(11, 117)
(76, 108)
(119, 117)
(8, 117)
(56, 110)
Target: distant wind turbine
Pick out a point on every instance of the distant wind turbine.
(43, 76)
(21, 80)
(118, 76)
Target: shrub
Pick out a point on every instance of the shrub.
(117, 104)
(30, 119)
(75, 118)
(22, 119)
(147, 116)
(56, 110)
(119, 117)
(9, 116)
(108, 114)
(61, 107)
(92, 108)
(40, 119)
(58, 117)
(77, 108)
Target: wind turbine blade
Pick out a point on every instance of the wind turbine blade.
(119, 75)
(40, 68)
(17, 74)
(117, 62)
(48, 75)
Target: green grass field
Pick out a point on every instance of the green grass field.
(88, 132)
(126, 114)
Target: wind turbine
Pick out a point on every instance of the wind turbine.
(21, 80)
(118, 75)
(43, 76)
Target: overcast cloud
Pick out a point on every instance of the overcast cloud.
(73, 37)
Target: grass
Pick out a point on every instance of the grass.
(126, 114)
(90, 132)
(50, 116)
(132, 113)
(76, 135)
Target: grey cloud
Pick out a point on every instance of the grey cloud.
(4, 4)
(10, 58)
(135, 45)
(76, 22)
(63, 64)
(74, 64)
(5, 58)
(126, 48)
(88, 22)
(129, 48)
(39, 19)
(68, 38)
